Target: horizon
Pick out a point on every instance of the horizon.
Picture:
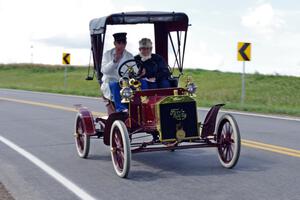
(185, 68)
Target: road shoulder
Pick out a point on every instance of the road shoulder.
(4, 194)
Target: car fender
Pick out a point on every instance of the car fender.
(88, 121)
(110, 120)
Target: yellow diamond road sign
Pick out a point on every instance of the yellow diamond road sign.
(244, 51)
(66, 58)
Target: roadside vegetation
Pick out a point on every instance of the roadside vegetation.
(264, 93)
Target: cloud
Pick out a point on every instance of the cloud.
(49, 26)
(200, 55)
(263, 19)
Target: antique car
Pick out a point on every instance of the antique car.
(157, 119)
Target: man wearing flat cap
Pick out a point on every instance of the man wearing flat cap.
(111, 62)
(153, 70)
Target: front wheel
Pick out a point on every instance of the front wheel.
(229, 141)
(82, 140)
(120, 148)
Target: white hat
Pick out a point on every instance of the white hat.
(145, 42)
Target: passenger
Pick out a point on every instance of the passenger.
(111, 62)
(153, 70)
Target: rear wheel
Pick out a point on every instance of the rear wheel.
(229, 141)
(120, 148)
(82, 140)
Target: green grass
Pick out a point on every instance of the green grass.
(264, 94)
(47, 79)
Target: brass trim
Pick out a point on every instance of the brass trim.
(139, 115)
(157, 111)
(129, 112)
(175, 92)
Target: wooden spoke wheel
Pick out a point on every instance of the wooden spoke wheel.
(229, 141)
(82, 140)
(120, 148)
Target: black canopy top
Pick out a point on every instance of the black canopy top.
(163, 22)
(172, 21)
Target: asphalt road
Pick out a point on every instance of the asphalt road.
(263, 172)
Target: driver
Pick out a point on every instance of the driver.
(111, 62)
(153, 70)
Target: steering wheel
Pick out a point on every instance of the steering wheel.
(129, 69)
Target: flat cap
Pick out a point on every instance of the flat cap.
(145, 43)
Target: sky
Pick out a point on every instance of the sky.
(39, 31)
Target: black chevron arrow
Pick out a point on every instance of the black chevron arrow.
(242, 51)
(65, 58)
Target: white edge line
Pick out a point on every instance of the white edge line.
(203, 109)
(255, 114)
(56, 175)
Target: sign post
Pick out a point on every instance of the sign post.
(66, 58)
(244, 54)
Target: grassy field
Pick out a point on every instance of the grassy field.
(264, 94)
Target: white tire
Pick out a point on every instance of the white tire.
(120, 148)
(82, 140)
(229, 141)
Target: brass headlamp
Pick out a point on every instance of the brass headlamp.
(135, 83)
(125, 92)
